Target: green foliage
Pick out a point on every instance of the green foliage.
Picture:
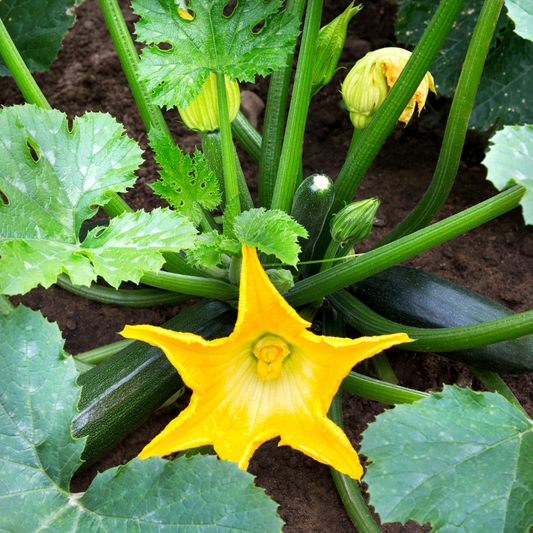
(48, 200)
(507, 76)
(521, 13)
(211, 42)
(209, 248)
(509, 160)
(187, 182)
(272, 232)
(461, 460)
(37, 28)
(38, 458)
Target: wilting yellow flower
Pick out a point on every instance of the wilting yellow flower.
(370, 80)
(271, 377)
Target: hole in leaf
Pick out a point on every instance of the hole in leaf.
(179, 190)
(230, 8)
(98, 233)
(259, 26)
(187, 9)
(193, 182)
(33, 152)
(3, 198)
(202, 185)
(164, 46)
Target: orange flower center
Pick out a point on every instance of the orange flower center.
(270, 352)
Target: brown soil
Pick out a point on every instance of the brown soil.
(494, 260)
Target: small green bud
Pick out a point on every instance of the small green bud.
(354, 222)
(370, 80)
(202, 113)
(281, 279)
(329, 47)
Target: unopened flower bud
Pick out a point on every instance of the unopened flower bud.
(281, 279)
(354, 222)
(329, 47)
(202, 113)
(370, 80)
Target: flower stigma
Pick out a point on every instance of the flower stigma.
(270, 352)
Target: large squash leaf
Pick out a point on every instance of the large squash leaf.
(461, 460)
(38, 457)
(211, 42)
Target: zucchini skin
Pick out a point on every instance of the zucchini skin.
(311, 204)
(120, 393)
(417, 298)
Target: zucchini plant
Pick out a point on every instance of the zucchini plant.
(256, 367)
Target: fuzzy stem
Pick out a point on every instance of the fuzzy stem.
(288, 171)
(454, 137)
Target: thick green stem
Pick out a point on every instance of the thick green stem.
(274, 122)
(195, 286)
(454, 137)
(437, 340)
(291, 155)
(129, 298)
(347, 487)
(248, 137)
(99, 355)
(494, 383)
(231, 186)
(6, 306)
(150, 114)
(374, 135)
(379, 391)
(177, 263)
(375, 261)
(24, 80)
(383, 369)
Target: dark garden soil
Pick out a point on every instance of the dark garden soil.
(494, 260)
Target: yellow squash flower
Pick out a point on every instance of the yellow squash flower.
(271, 377)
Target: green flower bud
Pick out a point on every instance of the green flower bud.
(281, 279)
(370, 80)
(202, 113)
(354, 222)
(329, 47)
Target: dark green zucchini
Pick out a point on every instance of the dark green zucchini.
(416, 298)
(120, 393)
(310, 207)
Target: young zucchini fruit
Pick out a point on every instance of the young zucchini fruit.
(416, 298)
(120, 393)
(310, 207)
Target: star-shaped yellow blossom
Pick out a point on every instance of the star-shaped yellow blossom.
(271, 377)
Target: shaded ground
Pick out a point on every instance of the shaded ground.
(494, 260)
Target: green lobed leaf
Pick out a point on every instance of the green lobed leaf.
(461, 460)
(521, 13)
(272, 232)
(37, 28)
(412, 21)
(38, 458)
(48, 200)
(75, 170)
(510, 160)
(209, 247)
(132, 244)
(187, 182)
(211, 42)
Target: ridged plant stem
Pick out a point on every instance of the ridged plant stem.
(454, 137)
(291, 155)
(375, 261)
(248, 137)
(436, 340)
(129, 59)
(274, 123)
(374, 135)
